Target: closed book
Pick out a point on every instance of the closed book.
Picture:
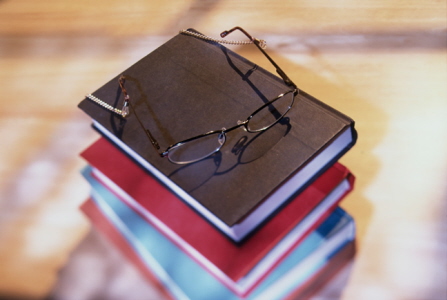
(188, 87)
(198, 237)
(325, 250)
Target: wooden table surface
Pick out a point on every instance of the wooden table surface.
(381, 62)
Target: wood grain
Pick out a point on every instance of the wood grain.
(381, 62)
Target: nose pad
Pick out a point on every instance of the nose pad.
(221, 138)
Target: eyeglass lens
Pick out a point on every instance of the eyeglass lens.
(269, 114)
(196, 149)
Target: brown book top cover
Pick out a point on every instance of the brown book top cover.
(188, 87)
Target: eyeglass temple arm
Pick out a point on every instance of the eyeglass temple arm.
(154, 142)
(121, 81)
(258, 44)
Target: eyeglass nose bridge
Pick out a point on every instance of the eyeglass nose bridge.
(243, 123)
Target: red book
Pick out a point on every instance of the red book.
(251, 260)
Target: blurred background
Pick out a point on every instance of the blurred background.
(383, 63)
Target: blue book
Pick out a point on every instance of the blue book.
(184, 278)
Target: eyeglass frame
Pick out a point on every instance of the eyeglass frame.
(222, 132)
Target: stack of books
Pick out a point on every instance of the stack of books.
(257, 218)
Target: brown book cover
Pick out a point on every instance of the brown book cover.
(189, 86)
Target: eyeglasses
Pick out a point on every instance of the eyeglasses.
(202, 146)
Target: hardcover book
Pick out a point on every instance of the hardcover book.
(324, 251)
(189, 86)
